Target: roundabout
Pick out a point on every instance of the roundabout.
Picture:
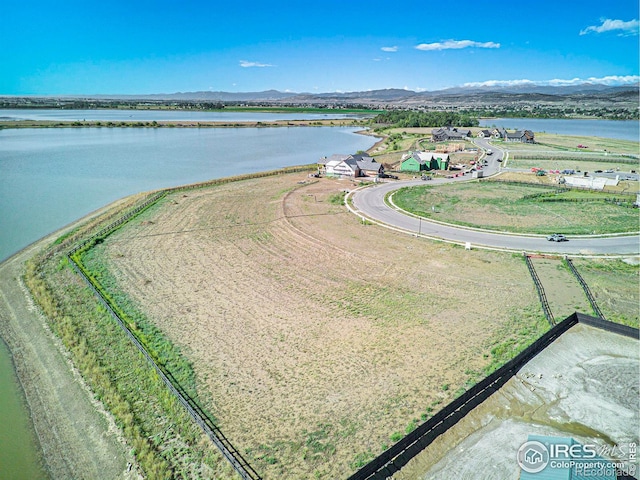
(370, 204)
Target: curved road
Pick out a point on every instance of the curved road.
(369, 202)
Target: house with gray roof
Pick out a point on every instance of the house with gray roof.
(443, 134)
(368, 165)
(360, 165)
(523, 136)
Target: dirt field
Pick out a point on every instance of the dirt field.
(315, 338)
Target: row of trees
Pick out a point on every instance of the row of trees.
(404, 119)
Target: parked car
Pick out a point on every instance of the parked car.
(609, 170)
(557, 237)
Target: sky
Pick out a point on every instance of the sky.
(70, 47)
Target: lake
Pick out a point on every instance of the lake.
(18, 450)
(619, 129)
(51, 177)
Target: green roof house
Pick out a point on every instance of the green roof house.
(421, 161)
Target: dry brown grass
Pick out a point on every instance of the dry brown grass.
(314, 337)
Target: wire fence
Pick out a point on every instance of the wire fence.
(586, 289)
(232, 454)
(541, 295)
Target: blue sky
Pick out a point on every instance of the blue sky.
(141, 46)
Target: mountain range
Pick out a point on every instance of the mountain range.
(395, 95)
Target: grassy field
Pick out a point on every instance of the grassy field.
(614, 284)
(164, 440)
(520, 208)
(559, 152)
(313, 353)
(314, 341)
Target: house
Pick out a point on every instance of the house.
(485, 134)
(447, 133)
(340, 165)
(499, 133)
(523, 136)
(368, 165)
(421, 161)
(360, 165)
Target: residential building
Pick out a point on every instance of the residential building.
(447, 133)
(523, 136)
(360, 165)
(421, 161)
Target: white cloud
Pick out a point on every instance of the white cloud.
(556, 82)
(246, 64)
(389, 49)
(625, 28)
(456, 44)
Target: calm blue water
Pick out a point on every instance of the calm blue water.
(619, 129)
(161, 115)
(50, 177)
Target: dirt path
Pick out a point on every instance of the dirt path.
(77, 438)
(563, 291)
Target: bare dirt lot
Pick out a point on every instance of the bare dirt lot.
(315, 338)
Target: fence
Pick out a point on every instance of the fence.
(399, 454)
(573, 158)
(585, 287)
(193, 409)
(393, 459)
(540, 289)
(239, 463)
(550, 186)
(612, 327)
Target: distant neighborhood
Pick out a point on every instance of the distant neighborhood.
(445, 134)
(364, 165)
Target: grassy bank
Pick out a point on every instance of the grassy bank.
(346, 122)
(165, 441)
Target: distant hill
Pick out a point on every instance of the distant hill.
(209, 96)
(396, 95)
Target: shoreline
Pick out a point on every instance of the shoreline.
(48, 382)
(13, 124)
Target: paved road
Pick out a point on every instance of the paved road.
(369, 202)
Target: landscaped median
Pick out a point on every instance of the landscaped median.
(521, 208)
